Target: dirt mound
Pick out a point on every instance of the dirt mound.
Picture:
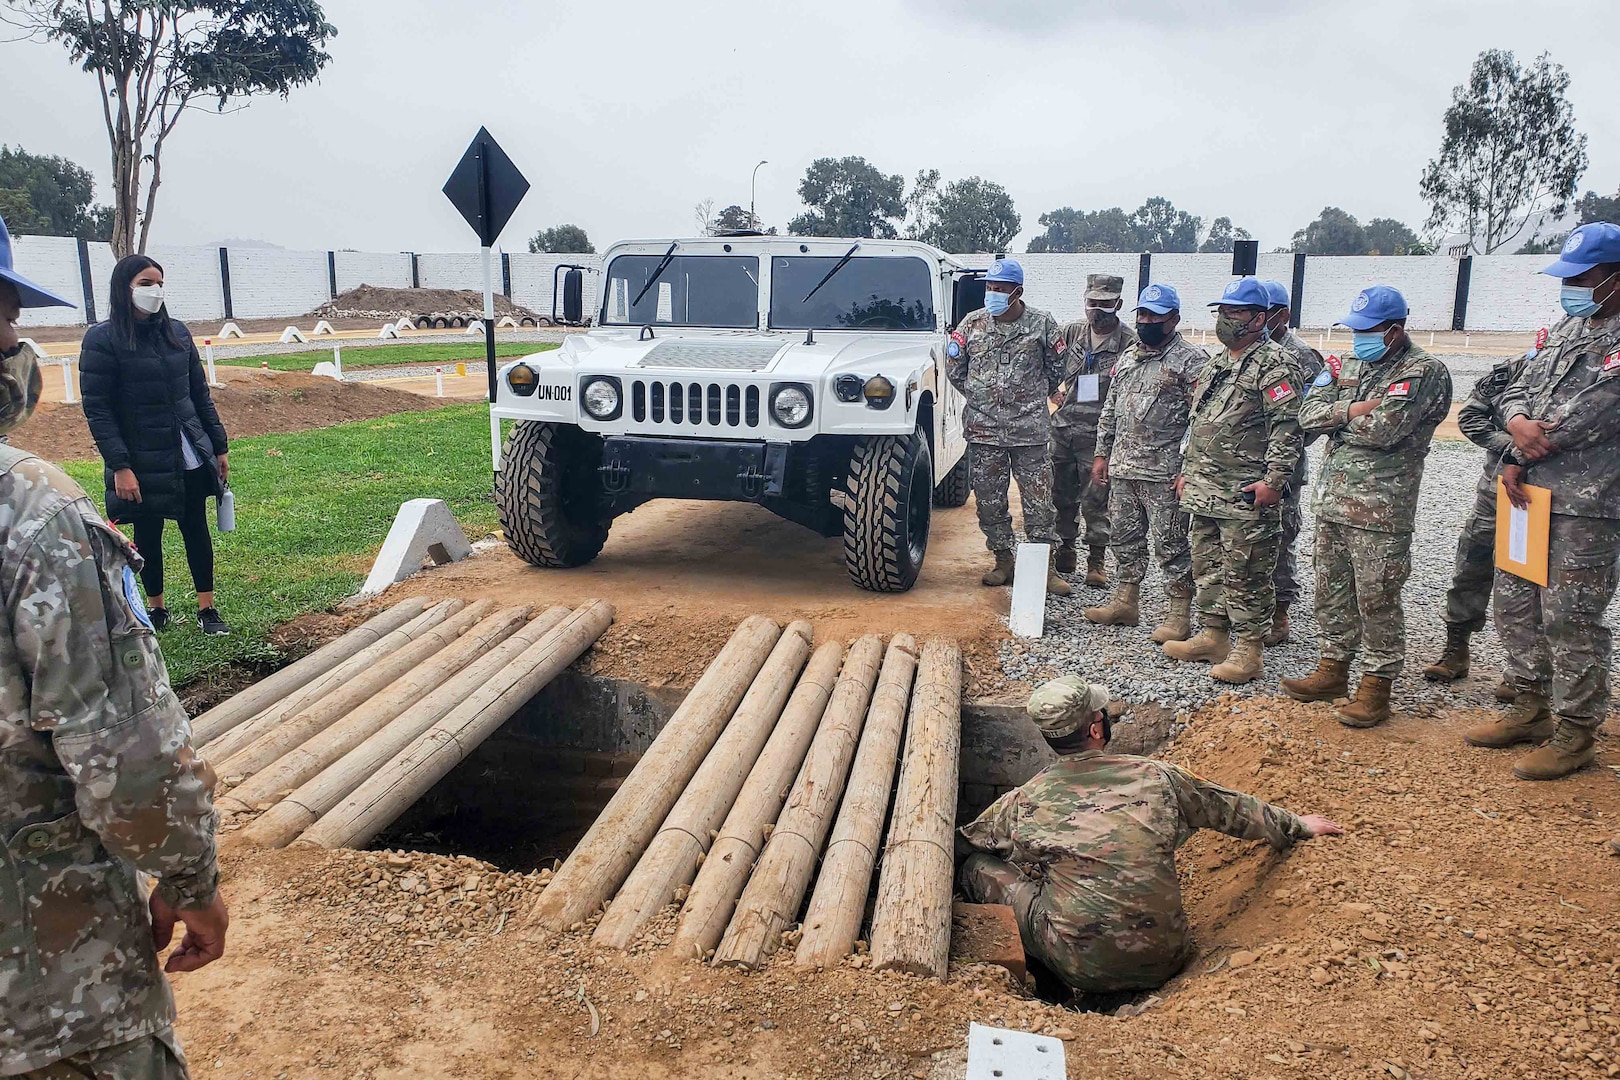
(1465, 927)
(373, 302)
(249, 403)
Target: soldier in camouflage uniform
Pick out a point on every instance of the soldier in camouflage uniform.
(1007, 358)
(1242, 449)
(1138, 458)
(1469, 598)
(1310, 362)
(1084, 853)
(99, 778)
(1563, 412)
(1095, 344)
(1379, 411)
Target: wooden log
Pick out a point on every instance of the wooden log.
(377, 802)
(308, 758)
(272, 688)
(602, 859)
(911, 924)
(776, 888)
(673, 856)
(833, 921)
(724, 872)
(281, 824)
(244, 733)
(311, 721)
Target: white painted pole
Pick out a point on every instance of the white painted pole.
(438, 373)
(208, 356)
(337, 360)
(1330, 335)
(1467, 339)
(1319, 342)
(1431, 339)
(67, 380)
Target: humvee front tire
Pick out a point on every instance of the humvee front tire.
(549, 496)
(887, 509)
(954, 490)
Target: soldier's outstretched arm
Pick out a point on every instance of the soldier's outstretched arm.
(1205, 805)
(1407, 404)
(98, 687)
(992, 830)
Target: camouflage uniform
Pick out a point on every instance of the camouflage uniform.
(1006, 371)
(1285, 577)
(1574, 382)
(1366, 498)
(99, 781)
(1143, 423)
(1084, 854)
(1244, 427)
(1469, 598)
(1074, 433)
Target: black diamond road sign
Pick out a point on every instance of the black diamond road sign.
(486, 187)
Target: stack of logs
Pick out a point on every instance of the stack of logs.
(780, 756)
(336, 746)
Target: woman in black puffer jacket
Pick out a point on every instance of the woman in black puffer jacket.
(147, 403)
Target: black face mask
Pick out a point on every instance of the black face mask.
(1152, 334)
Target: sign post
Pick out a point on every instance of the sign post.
(486, 188)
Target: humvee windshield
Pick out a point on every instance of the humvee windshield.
(867, 293)
(693, 290)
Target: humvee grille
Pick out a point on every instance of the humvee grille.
(694, 404)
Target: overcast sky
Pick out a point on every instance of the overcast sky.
(625, 114)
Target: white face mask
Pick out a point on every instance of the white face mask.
(147, 298)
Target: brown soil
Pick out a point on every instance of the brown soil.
(1465, 927)
(372, 298)
(250, 403)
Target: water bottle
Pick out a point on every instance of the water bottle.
(225, 511)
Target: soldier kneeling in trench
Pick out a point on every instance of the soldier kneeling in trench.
(1084, 853)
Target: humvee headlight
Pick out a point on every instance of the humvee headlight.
(879, 392)
(602, 398)
(790, 404)
(522, 380)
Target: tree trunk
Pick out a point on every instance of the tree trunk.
(777, 885)
(600, 862)
(724, 872)
(675, 852)
(833, 921)
(911, 924)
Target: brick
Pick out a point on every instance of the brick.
(987, 934)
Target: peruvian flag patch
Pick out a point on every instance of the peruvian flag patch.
(1611, 362)
(1281, 392)
(1400, 389)
(1060, 346)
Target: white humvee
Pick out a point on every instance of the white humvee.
(805, 374)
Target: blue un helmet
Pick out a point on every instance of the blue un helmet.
(1006, 270)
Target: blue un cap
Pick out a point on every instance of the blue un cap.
(32, 295)
(1276, 293)
(1244, 292)
(1588, 246)
(1373, 305)
(1006, 270)
(1159, 299)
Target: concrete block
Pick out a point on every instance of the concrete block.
(999, 1052)
(1028, 618)
(424, 529)
(322, 328)
(475, 327)
(229, 330)
(292, 334)
(507, 320)
(389, 330)
(329, 370)
(987, 934)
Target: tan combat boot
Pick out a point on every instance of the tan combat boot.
(1329, 682)
(1504, 691)
(1569, 751)
(1096, 575)
(1242, 664)
(1055, 585)
(1212, 645)
(1371, 706)
(1066, 559)
(1278, 634)
(1453, 662)
(1002, 572)
(1177, 625)
(1529, 721)
(1121, 609)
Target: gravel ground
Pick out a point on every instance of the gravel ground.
(1135, 670)
(271, 348)
(409, 371)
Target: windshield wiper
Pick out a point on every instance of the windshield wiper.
(669, 256)
(837, 266)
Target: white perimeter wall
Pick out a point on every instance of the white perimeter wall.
(1507, 292)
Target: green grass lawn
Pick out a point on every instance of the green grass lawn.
(312, 507)
(377, 355)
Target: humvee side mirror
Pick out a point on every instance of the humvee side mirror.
(967, 295)
(573, 296)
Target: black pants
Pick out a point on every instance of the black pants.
(193, 530)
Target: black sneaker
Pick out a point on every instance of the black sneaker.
(208, 618)
(159, 617)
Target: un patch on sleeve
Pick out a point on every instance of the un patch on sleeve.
(1324, 378)
(132, 596)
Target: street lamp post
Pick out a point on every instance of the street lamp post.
(752, 180)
